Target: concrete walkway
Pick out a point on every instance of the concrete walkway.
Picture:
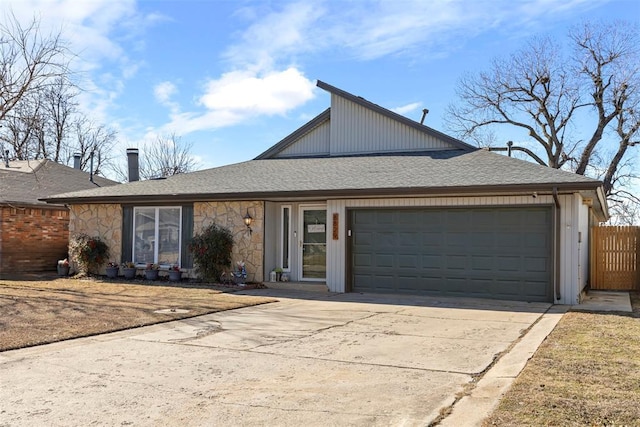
(605, 301)
(310, 359)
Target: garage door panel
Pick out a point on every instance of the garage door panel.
(535, 241)
(492, 252)
(364, 238)
(432, 238)
(385, 217)
(384, 261)
(362, 260)
(408, 261)
(386, 238)
(455, 262)
(536, 265)
(410, 238)
(482, 263)
(457, 239)
(432, 262)
(508, 263)
(533, 289)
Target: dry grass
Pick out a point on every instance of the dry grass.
(586, 373)
(45, 311)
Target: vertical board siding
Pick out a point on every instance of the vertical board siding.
(615, 258)
(355, 129)
(313, 143)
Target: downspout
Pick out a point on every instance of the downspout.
(556, 229)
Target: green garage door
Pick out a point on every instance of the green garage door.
(502, 253)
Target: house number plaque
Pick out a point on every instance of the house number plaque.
(335, 226)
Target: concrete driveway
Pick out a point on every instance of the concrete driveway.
(316, 359)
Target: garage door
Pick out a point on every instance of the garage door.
(502, 253)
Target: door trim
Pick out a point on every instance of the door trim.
(301, 209)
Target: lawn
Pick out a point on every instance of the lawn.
(586, 373)
(37, 312)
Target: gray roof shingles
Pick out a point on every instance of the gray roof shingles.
(40, 179)
(439, 171)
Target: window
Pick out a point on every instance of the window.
(157, 235)
(285, 240)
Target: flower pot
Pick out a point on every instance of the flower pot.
(63, 270)
(112, 272)
(129, 272)
(175, 276)
(151, 274)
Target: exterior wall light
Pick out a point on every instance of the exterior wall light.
(247, 221)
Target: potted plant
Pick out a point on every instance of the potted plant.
(278, 271)
(151, 271)
(175, 274)
(240, 275)
(63, 267)
(112, 270)
(129, 270)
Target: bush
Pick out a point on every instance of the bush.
(211, 251)
(89, 253)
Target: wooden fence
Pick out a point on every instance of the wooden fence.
(615, 258)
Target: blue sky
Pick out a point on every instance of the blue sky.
(235, 77)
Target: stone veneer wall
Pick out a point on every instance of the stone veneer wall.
(102, 220)
(247, 247)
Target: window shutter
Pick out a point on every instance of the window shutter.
(187, 235)
(127, 234)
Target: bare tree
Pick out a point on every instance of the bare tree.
(557, 99)
(29, 61)
(95, 145)
(166, 156)
(60, 110)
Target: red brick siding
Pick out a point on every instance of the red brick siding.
(32, 239)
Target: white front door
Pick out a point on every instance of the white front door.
(313, 242)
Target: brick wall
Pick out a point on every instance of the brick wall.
(33, 239)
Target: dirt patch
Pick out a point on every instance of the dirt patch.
(587, 372)
(37, 312)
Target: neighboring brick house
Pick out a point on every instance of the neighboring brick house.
(35, 235)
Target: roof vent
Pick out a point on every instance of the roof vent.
(425, 111)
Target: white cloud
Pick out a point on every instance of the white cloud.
(373, 29)
(404, 109)
(238, 95)
(164, 91)
(274, 92)
(276, 35)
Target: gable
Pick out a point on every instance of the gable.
(312, 144)
(356, 129)
(354, 126)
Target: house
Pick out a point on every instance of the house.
(34, 235)
(366, 200)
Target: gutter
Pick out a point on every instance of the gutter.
(317, 194)
(556, 232)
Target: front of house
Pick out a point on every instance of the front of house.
(366, 200)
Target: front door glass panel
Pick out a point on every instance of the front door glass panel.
(314, 244)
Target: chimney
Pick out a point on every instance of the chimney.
(132, 160)
(76, 160)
